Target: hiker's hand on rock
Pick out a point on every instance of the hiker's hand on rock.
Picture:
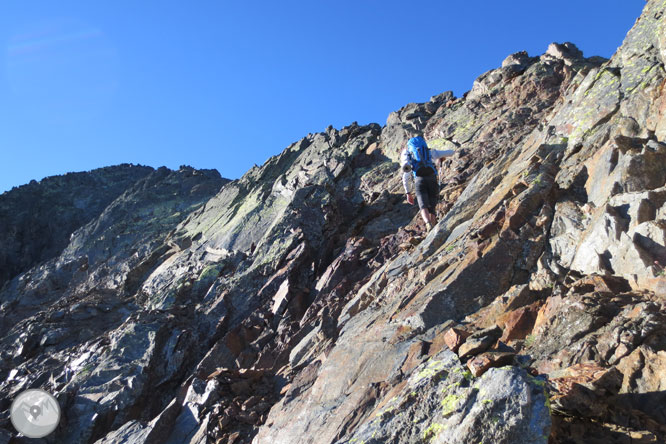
(410, 198)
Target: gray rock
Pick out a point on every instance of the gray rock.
(518, 58)
(569, 222)
(442, 403)
(566, 51)
(132, 432)
(53, 337)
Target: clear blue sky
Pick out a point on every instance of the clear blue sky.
(225, 85)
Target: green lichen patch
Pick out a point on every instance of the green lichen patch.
(391, 406)
(530, 340)
(434, 368)
(450, 404)
(467, 374)
(451, 386)
(209, 272)
(432, 431)
(206, 278)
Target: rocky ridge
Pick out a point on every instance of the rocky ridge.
(37, 219)
(302, 303)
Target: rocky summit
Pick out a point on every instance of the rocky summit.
(306, 302)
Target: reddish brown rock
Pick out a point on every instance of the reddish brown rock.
(492, 225)
(547, 367)
(438, 342)
(479, 364)
(644, 381)
(516, 297)
(596, 282)
(453, 338)
(415, 356)
(642, 366)
(591, 375)
(657, 285)
(548, 311)
(584, 389)
(303, 207)
(519, 323)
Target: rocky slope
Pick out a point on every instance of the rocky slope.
(302, 303)
(37, 219)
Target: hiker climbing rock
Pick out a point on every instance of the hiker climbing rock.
(416, 158)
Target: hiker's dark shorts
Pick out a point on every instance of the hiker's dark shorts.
(427, 191)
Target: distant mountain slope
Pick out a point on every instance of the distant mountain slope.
(37, 219)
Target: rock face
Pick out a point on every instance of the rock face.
(304, 302)
(37, 219)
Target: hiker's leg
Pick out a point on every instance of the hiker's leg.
(433, 197)
(427, 192)
(422, 196)
(433, 218)
(427, 217)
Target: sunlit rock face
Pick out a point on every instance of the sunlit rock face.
(306, 303)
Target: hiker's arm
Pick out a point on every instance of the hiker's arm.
(439, 154)
(407, 185)
(406, 169)
(406, 182)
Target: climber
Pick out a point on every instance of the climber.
(418, 159)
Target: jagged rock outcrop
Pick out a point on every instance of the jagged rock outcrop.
(304, 302)
(74, 309)
(37, 219)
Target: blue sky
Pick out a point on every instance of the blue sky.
(225, 85)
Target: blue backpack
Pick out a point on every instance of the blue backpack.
(419, 157)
